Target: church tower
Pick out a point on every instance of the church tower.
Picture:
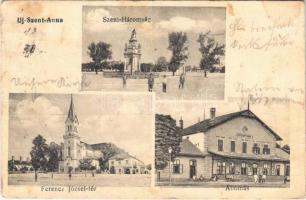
(132, 54)
(71, 139)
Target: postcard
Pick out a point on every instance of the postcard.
(153, 99)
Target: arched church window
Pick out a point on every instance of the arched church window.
(69, 153)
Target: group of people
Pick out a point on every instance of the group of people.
(164, 82)
(260, 178)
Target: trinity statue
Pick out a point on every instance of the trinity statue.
(132, 54)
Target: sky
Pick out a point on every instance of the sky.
(103, 118)
(273, 115)
(153, 36)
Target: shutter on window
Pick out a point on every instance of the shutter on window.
(181, 168)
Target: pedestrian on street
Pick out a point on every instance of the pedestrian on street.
(182, 81)
(124, 80)
(255, 178)
(260, 178)
(150, 82)
(264, 177)
(164, 84)
(36, 176)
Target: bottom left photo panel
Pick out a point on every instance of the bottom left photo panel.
(99, 139)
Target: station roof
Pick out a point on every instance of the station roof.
(211, 123)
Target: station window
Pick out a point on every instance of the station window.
(255, 168)
(233, 146)
(256, 149)
(277, 170)
(243, 169)
(177, 167)
(265, 169)
(220, 167)
(232, 168)
(244, 147)
(266, 150)
(220, 145)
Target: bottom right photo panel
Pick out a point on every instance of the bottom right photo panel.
(233, 144)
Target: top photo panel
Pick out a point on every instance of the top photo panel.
(176, 52)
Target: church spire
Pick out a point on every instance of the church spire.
(71, 113)
(249, 102)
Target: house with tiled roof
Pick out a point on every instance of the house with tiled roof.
(19, 165)
(236, 145)
(124, 163)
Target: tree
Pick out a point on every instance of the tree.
(108, 150)
(161, 64)
(54, 157)
(178, 47)
(146, 67)
(118, 66)
(39, 154)
(99, 52)
(166, 135)
(11, 166)
(210, 50)
(85, 164)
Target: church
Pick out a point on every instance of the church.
(73, 150)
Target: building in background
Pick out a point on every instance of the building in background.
(126, 164)
(234, 146)
(76, 153)
(20, 165)
(73, 149)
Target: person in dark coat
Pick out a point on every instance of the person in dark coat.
(182, 81)
(124, 80)
(164, 84)
(150, 82)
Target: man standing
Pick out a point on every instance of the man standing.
(164, 81)
(150, 82)
(124, 80)
(182, 81)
